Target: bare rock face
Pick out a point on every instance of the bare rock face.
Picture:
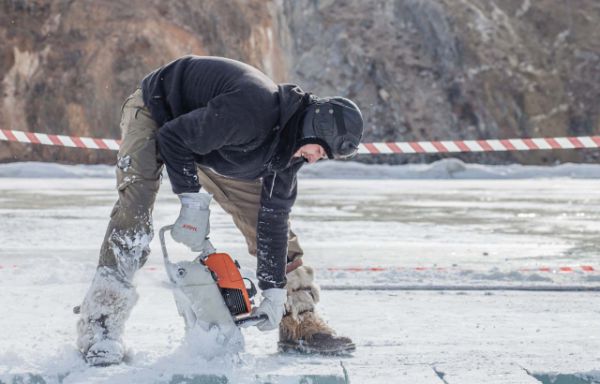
(456, 69)
(419, 69)
(66, 66)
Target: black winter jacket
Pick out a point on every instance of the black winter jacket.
(232, 118)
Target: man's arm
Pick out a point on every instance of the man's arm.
(199, 132)
(277, 198)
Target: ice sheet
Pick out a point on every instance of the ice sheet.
(354, 232)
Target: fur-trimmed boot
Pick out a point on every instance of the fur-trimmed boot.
(301, 329)
(104, 310)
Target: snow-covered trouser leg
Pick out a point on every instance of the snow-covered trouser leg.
(104, 311)
(302, 329)
(129, 232)
(111, 296)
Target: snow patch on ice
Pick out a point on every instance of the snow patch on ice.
(55, 171)
(442, 169)
(496, 274)
(448, 169)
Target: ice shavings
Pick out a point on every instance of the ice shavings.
(209, 343)
(124, 162)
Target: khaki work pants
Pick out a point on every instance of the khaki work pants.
(126, 243)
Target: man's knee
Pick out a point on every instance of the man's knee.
(126, 249)
(126, 244)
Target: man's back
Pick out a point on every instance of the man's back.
(191, 82)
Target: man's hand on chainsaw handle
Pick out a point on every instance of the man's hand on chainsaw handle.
(272, 305)
(192, 225)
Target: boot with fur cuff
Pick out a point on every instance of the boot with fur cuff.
(302, 329)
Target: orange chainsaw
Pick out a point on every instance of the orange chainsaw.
(210, 292)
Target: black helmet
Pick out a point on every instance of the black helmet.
(335, 123)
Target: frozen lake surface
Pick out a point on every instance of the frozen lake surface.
(367, 238)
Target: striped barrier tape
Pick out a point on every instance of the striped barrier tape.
(582, 268)
(58, 140)
(424, 147)
(424, 286)
(569, 269)
(458, 146)
(468, 288)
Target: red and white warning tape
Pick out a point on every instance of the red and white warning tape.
(58, 140)
(449, 146)
(581, 268)
(455, 146)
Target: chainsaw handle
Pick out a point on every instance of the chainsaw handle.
(163, 245)
(251, 320)
(252, 289)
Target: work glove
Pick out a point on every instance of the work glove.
(272, 305)
(192, 226)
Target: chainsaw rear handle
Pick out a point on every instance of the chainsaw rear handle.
(251, 320)
(251, 289)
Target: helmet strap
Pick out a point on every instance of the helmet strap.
(339, 119)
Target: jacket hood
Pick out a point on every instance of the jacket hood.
(291, 99)
(292, 106)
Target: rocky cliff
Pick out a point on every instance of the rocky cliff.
(66, 66)
(456, 69)
(420, 69)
